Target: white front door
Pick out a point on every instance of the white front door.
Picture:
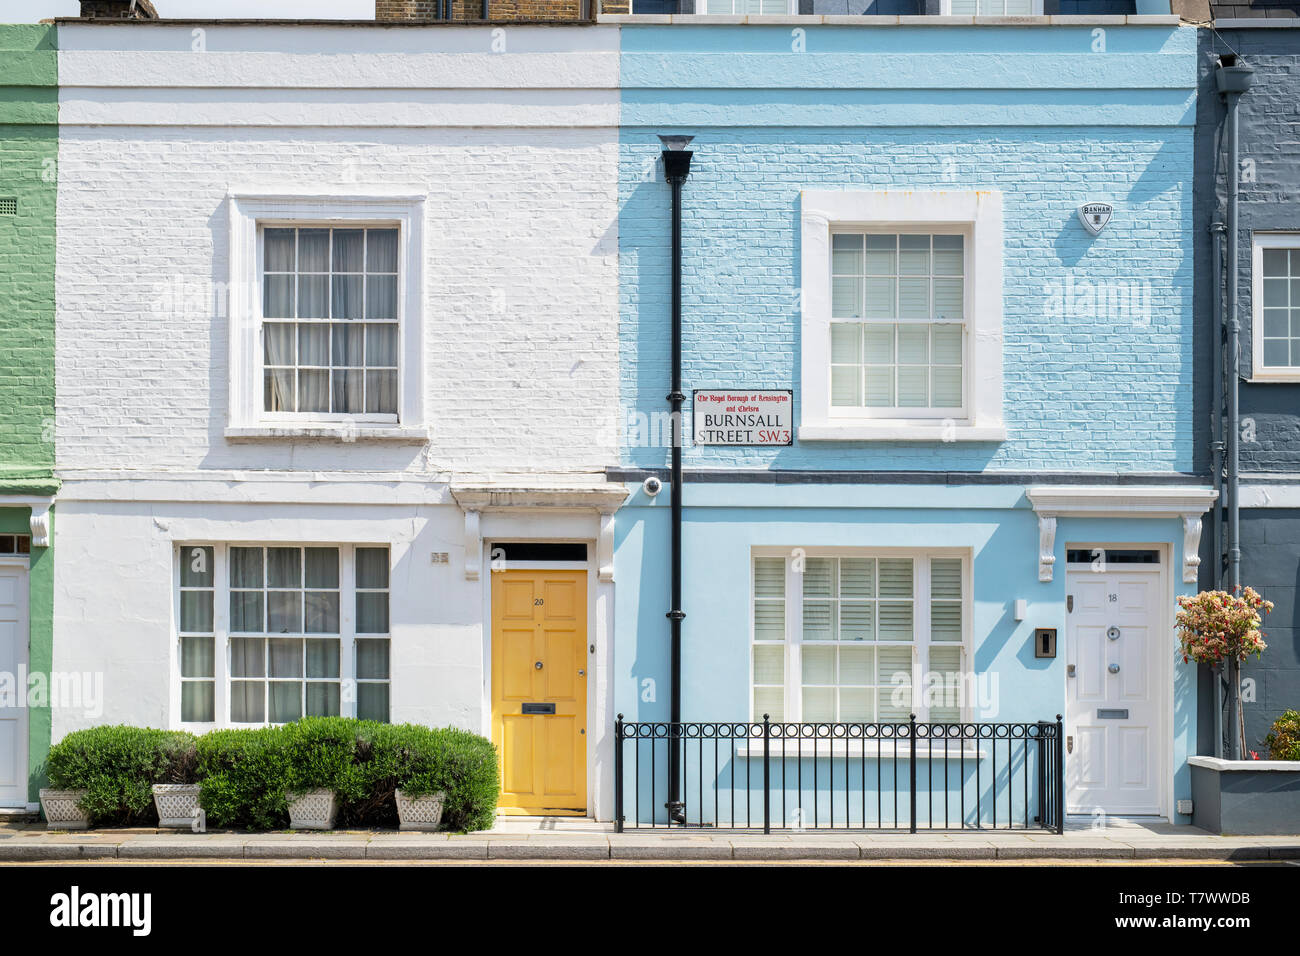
(1112, 719)
(13, 689)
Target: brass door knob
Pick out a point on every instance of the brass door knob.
(538, 665)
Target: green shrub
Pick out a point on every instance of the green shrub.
(117, 767)
(1284, 738)
(244, 774)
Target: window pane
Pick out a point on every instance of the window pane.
(948, 299)
(247, 657)
(1276, 292)
(1277, 353)
(349, 387)
(285, 658)
(196, 611)
(197, 656)
(818, 665)
(198, 701)
(846, 342)
(769, 621)
(880, 299)
(846, 255)
(246, 611)
(882, 255)
(313, 390)
(196, 568)
(945, 621)
(878, 344)
(246, 568)
(846, 385)
(896, 577)
(895, 621)
(846, 297)
(912, 390)
(857, 577)
(818, 703)
(819, 621)
(372, 612)
(381, 345)
(372, 567)
(372, 660)
(284, 567)
(381, 297)
(857, 704)
(349, 250)
(277, 297)
(313, 297)
(280, 341)
(381, 251)
(284, 612)
(857, 621)
(349, 297)
(247, 702)
(314, 345)
(770, 701)
(819, 577)
(279, 391)
(322, 612)
(381, 392)
(323, 659)
(1275, 262)
(857, 665)
(914, 298)
(946, 663)
(769, 664)
(948, 255)
(278, 250)
(945, 579)
(323, 700)
(913, 255)
(769, 577)
(286, 702)
(946, 387)
(313, 250)
(322, 565)
(372, 702)
(1277, 323)
(348, 342)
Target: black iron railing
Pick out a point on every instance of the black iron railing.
(912, 776)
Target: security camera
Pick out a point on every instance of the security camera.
(652, 486)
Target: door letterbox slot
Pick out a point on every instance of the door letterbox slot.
(538, 708)
(1118, 713)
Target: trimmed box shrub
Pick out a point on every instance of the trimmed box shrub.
(117, 766)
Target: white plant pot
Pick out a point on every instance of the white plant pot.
(420, 813)
(177, 804)
(312, 810)
(62, 811)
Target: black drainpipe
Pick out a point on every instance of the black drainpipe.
(1233, 78)
(677, 166)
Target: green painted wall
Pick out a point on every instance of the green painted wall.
(29, 150)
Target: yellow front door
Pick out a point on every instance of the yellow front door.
(539, 689)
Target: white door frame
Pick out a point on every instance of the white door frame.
(23, 756)
(1163, 671)
(597, 636)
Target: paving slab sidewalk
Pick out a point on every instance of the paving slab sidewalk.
(585, 841)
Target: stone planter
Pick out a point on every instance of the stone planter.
(312, 810)
(420, 813)
(1248, 797)
(62, 811)
(177, 804)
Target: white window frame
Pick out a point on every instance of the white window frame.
(793, 703)
(791, 9)
(221, 678)
(1036, 11)
(1259, 242)
(975, 214)
(249, 214)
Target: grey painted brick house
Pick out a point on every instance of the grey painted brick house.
(1265, 35)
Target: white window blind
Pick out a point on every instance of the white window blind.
(747, 7)
(898, 311)
(843, 638)
(994, 8)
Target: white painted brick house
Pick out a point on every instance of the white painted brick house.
(337, 323)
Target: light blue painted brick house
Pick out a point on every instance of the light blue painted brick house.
(990, 498)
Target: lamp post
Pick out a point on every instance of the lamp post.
(677, 166)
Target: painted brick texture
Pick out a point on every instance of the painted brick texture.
(1097, 332)
(521, 285)
(503, 10)
(28, 153)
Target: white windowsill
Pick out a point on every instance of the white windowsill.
(955, 750)
(329, 431)
(857, 431)
(1275, 375)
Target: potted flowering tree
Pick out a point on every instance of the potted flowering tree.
(1222, 629)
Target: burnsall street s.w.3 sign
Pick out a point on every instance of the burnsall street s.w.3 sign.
(741, 417)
